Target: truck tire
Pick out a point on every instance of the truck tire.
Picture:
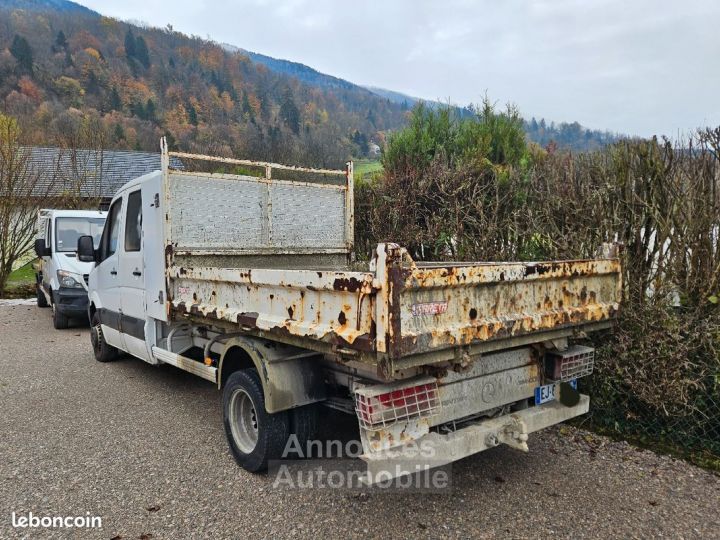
(60, 321)
(255, 436)
(41, 300)
(304, 425)
(103, 352)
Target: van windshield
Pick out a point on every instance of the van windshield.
(69, 229)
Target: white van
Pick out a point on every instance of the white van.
(61, 278)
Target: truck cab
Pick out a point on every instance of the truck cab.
(61, 279)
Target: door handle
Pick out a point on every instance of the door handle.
(113, 272)
(137, 272)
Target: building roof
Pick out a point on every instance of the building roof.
(89, 173)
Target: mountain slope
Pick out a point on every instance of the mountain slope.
(49, 5)
(74, 77)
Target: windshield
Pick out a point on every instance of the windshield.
(69, 229)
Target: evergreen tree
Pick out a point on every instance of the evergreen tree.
(22, 52)
(118, 133)
(150, 110)
(192, 114)
(130, 50)
(115, 101)
(246, 108)
(289, 112)
(138, 110)
(141, 52)
(61, 41)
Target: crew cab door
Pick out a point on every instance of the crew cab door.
(132, 278)
(106, 275)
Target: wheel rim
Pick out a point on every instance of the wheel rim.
(95, 335)
(243, 421)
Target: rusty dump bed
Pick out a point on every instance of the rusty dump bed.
(241, 257)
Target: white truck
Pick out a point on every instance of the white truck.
(248, 282)
(61, 279)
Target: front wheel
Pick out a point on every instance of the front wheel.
(255, 436)
(103, 351)
(60, 321)
(41, 300)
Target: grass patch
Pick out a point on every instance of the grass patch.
(22, 276)
(363, 168)
(21, 283)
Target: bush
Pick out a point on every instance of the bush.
(469, 189)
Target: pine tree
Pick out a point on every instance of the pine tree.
(119, 133)
(115, 101)
(289, 112)
(150, 110)
(130, 50)
(246, 108)
(192, 114)
(61, 41)
(22, 52)
(141, 52)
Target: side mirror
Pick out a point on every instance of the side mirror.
(40, 249)
(85, 249)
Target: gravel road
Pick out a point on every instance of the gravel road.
(143, 448)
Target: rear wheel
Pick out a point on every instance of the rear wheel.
(255, 436)
(41, 300)
(103, 352)
(60, 321)
(304, 425)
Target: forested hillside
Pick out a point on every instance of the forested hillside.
(74, 77)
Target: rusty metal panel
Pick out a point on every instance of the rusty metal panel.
(457, 305)
(330, 306)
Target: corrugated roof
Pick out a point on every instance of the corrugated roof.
(90, 173)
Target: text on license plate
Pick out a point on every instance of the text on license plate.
(549, 392)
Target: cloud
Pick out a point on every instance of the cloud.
(643, 67)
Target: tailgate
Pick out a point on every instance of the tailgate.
(442, 306)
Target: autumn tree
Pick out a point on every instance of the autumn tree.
(23, 191)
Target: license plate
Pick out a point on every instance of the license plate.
(549, 392)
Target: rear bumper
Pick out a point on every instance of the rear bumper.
(435, 450)
(71, 302)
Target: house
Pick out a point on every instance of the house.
(374, 150)
(87, 174)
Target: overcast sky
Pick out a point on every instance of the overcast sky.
(639, 67)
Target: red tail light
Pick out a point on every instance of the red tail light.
(377, 407)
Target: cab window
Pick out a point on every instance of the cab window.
(69, 229)
(133, 222)
(111, 233)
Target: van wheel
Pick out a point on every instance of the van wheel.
(255, 436)
(60, 321)
(103, 351)
(41, 300)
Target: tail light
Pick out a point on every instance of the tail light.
(575, 362)
(380, 406)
